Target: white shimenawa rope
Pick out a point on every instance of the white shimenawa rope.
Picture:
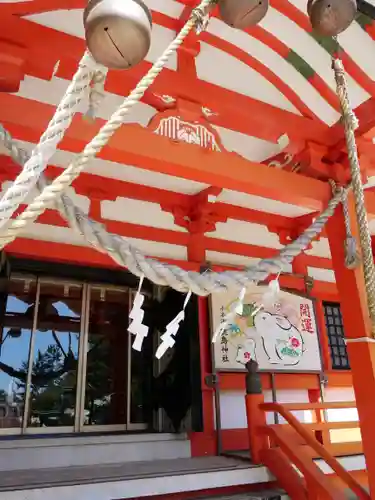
(96, 94)
(160, 273)
(54, 190)
(48, 142)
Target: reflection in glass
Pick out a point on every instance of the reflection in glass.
(53, 385)
(140, 364)
(106, 364)
(17, 311)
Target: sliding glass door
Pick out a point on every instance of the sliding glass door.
(15, 339)
(51, 405)
(105, 359)
(66, 362)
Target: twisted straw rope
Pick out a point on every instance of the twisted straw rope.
(159, 273)
(96, 94)
(59, 185)
(117, 247)
(47, 145)
(350, 125)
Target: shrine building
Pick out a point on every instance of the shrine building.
(187, 227)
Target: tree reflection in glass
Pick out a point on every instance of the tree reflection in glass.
(17, 310)
(106, 363)
(53, 387)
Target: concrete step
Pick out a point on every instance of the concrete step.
(48, 452)
(271, 494)
(127, 471)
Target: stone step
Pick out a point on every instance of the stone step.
(274, 494)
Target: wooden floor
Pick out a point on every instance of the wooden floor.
(68, 476)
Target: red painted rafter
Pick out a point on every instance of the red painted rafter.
(104, 188)
(74, 254)
(281, 49)
(366, 118)
(25, 8)
(189, 49)
(188, 63)
(263, 70)
(252, 62)
(168, 236)
(265, 121)
(28, 119)
(294, 14)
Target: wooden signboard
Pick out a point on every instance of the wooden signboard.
(281, 337)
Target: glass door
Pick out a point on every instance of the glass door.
(52, 379)
(140, 372)
(17, 315)
(105, 370)
(66, 359)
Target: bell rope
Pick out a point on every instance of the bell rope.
(160, 273)
(350, 124)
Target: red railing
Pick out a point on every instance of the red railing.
(282, 446)
(312, 448)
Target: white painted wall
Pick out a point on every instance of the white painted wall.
(342, 415)
(233, 412)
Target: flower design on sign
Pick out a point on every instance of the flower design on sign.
(295, 342)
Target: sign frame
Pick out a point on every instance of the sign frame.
(288, 369)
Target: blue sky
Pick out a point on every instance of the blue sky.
(16, 350)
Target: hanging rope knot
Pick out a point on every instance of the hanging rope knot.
(201, 15)
(96, 93)
(201, 18)
(89, 62)
(352, 256)
(347, 113)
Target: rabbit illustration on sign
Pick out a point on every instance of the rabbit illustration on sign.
(281, 341)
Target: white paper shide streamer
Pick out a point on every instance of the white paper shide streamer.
(235, 308)
(272, 294)
(137, 314)
(168, 337)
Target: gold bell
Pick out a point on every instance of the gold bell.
(242, 14)
(331, 17)
(118, 32)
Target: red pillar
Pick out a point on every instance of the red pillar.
(203, 443)
(361, 346)
(299, 265)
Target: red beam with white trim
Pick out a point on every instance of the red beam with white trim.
(28, 119)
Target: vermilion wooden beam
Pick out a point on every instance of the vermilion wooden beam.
(79, 255)
(234, 111)
(104, 188)
(365, 113)
(29, 119)
(168, 236)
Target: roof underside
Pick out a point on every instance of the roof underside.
(277, 65)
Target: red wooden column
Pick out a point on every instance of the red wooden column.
(203, 443)
(361, 346)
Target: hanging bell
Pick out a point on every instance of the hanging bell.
(118, 32)
(331, 17)
(242, 14)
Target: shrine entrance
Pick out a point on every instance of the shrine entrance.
(66, 363)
